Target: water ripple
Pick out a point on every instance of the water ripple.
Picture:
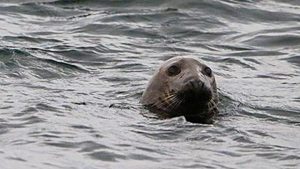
(72, 73)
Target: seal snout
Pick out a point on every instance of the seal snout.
(196, 84)
(196, 90)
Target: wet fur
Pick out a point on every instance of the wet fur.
(166, 95)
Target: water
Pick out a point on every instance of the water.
(72, 74)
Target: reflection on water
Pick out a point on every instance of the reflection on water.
(72, 74)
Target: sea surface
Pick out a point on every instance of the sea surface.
(72, 73)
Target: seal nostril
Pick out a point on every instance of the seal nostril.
(196, 84)
(201, 84)
(193, 84)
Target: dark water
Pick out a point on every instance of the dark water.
(73, 71)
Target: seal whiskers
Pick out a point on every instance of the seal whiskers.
(211, 105)
(169, 102)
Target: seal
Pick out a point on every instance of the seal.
(183, 86)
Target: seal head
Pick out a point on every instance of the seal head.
(183, 86)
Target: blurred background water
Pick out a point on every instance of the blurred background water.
(72, 73)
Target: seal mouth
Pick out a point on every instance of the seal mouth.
(195, 92)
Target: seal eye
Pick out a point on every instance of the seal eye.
(208, 71)
(173, 70)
